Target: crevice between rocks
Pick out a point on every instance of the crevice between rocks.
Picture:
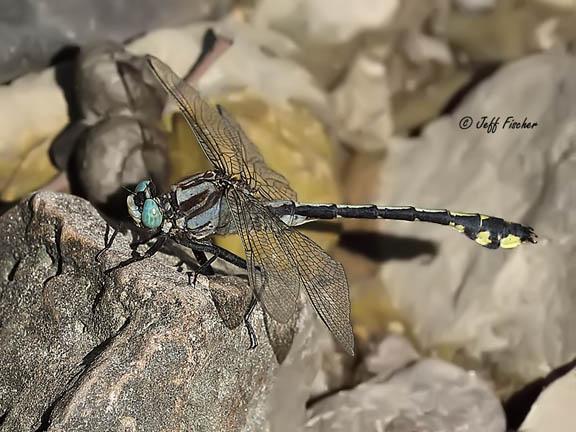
(13, 270)
(98, 297)
(91, 357)
(517, 407)
(3, 416)
(45, 419)
(58, 258)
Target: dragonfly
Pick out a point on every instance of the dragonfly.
(242, 195)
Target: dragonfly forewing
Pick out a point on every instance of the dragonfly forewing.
(224, 143)
(267, 183)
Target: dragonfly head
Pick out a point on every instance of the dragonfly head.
(143, 206)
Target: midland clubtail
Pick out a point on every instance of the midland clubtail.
(243, 196)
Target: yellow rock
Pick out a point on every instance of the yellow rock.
(32, 111)
(374, 315)
(31, 172)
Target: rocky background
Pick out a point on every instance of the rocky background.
(463, 104)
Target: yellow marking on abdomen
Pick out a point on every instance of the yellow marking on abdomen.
(463, 214)
(457, 227)
(510, 241)
(483, 238)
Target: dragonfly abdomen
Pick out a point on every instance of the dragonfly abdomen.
(488, 231)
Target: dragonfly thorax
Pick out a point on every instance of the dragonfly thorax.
(199, 205)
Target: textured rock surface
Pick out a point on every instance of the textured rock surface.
(408, 396)
(32, 32)
(137, 350)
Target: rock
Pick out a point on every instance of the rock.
(34, 32)
(421, 48)
(554, 409)
(428, 395)
(325, 20)
(476, 5)
(111, 81)
(229, 71)
(502, 34)
(392, 354)
(413, 109)
(137, 350)
(361, 106)
(122, 144)
(548, 35)
(521, 403)
(117, 152)
(565, 4)
(511, 309)
(32, 110)
(328, 34)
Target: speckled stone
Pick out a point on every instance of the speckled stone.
(137, 350)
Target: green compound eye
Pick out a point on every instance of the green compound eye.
(141, 187)
(151, 214)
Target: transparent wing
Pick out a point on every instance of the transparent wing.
(205, 122)
(268, 183)
(281, 260)
(271, 270)
(221, 138)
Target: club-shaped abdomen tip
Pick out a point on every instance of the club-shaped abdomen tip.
(516, 235)
(151, 214)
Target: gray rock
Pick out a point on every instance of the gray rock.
(111, 81)
(476, 5)
(554, 408)
(429, 395)
(362, 106)
(32, 32)
(121, 107)
(120, 151)
(137, 350)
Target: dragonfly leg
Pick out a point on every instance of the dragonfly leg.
(180, 266)
(205, 266)
(248, 324)
(199, 249)
(219, 252)
(107, 241)
(226, 255)
(136, 243)
(139, 257)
